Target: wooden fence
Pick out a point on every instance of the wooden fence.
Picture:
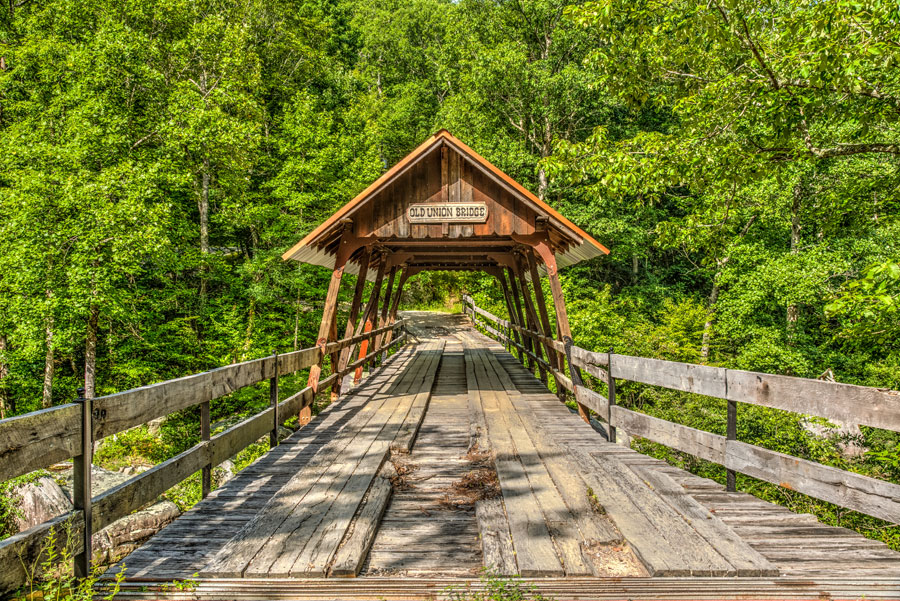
(841, 402)
(39, 439)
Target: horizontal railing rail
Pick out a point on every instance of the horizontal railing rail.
(879, 408)
(42, 438)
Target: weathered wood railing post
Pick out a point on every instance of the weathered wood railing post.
(206, 471)
(81, 493)
(731, 434)
(273, 401)
(611, 396)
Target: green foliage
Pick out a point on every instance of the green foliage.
(495, 587)
(52, 577)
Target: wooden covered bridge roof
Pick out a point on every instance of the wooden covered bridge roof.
(440, 172)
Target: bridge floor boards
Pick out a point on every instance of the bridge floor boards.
(419, 534)
(423, 531)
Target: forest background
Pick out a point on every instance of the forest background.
(739, 158)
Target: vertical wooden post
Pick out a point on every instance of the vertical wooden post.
(542, 246)
(395, 304)
(513, 334)
(347, 246)
(206, 471)
(731, 434)
(81, 489)
(520, 321)
(354, 311)
(329, 312)
(273, 402)
(557, 360)
(385, 309)
(371, 312)
(531, 318)
(611, 396)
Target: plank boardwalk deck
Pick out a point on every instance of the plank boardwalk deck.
(377, 486)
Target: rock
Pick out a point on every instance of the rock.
(128, 533)
(223, 472)
(40, 501)
(283, 433)
(101, 480)
(154, 425)
(847, 436)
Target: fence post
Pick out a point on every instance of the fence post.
(731, 434)
(81, 493)
(273, 400)
(611, 396)
(206, 471)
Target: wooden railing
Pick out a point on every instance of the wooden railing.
(841, 402)
(39, 439)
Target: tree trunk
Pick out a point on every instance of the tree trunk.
(297, 324)
(793, 312)
(203, 206)
(4, 372)
(90, 353)
(542, 183)
(47, 398)
(707, 327)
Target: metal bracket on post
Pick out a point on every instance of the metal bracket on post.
(611, 396)
(81, 493)
(273, 401)
(731, 434)
(206, 470)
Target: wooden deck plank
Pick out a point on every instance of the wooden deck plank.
(535, 552)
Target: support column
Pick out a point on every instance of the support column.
(557, 360)
(385, 308)
(347, 246)
(371, 313)
(395, 304)
(540, 243)
(514, 334)
(352, 319)
(520, 320)
(531, 318)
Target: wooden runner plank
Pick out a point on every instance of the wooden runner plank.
(350, 556)
(496, 541)
(315, 532)
(281, 553)
(746, 560)
(562, 469)
(407, 435)
(235, 556)
(316, 556)
(558, 517)
(535, 553)
(665, 542)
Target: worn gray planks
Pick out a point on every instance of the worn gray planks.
(421, 532)
(535, 551)
(298, 530)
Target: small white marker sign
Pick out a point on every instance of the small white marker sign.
(463, 212)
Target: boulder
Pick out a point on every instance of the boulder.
(40, 501)
(45, 499)
(128, 533)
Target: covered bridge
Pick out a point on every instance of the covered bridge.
(456, 453)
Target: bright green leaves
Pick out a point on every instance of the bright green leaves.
(868, 306)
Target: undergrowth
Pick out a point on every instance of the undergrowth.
(496, 588)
